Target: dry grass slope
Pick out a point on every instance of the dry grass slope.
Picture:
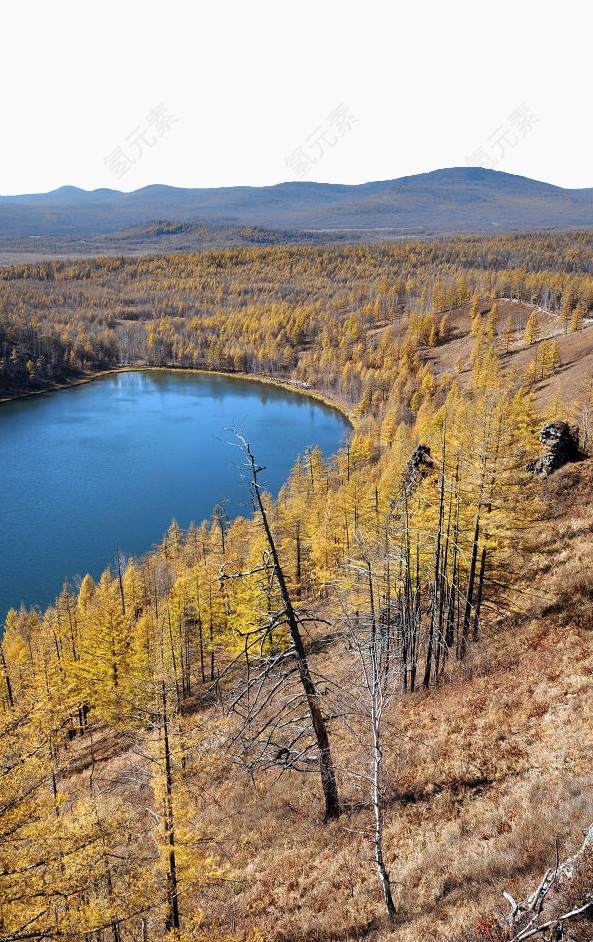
(485, 775)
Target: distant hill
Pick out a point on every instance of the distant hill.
(157, 236)
(455, 200)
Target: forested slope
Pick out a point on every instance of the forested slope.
(362, 713)
(312, 314)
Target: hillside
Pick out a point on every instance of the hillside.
(161, 237)
(484, 776)
(487, 776)
(365, 711)
(576, 351)
(298, 313)
(456, 200)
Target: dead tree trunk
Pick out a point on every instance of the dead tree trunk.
(378, 812)
(328, 778)
(470, 588)
(172, 917)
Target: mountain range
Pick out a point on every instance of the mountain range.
(163, 218)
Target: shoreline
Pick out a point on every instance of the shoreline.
(289, 385)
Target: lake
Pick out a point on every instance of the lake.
(107, 465)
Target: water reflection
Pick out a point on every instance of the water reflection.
(109, 464)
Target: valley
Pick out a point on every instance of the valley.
(361, 709)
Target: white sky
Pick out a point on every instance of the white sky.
(249, 82)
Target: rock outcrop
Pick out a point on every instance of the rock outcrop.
(420, 465)
(562, 443)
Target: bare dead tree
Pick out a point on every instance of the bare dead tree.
(539, 912)
(277, 697)
(374, 679)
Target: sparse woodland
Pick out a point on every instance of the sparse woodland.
(364, 712)
(308, 314)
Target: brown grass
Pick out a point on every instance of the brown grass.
(576, 351)
(484, 776)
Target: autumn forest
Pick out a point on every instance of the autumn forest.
(329, 720)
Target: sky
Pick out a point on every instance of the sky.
(125, 94)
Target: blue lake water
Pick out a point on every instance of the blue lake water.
(104, 466)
